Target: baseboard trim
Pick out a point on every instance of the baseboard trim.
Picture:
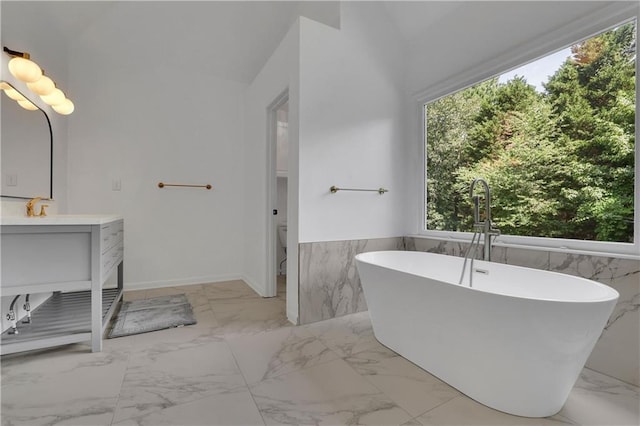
(292, 317)
(257, 288)
(147, 285)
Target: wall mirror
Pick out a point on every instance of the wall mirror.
(26, 151)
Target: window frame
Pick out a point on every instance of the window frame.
(503, 64)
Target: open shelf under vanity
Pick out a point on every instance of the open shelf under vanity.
(62, 319)
(70, 257)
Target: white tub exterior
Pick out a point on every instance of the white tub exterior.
(516, 341)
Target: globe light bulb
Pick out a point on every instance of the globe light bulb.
(26, 104)
(65, 108)
(54, 98)
(25, 70)
(44, 86)
(14, 94)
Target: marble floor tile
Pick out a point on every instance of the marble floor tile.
(368, 362)
(331, 393)
(235, 408)
(465, 411)
(67, 385)
(278, 352)
(198, 300)
(597, 399)
(200, 333)
(204, 317)
(230, 304)
(166, 374)
(409, 386)
(128, 296)
(333, 372)
(346, 335)
(77, 412)
(168, 291)
(247, 317)
(412, 422)
(229, 290)
(281, 282)
(124, 342)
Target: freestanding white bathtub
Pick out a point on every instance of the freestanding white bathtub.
(516, 341)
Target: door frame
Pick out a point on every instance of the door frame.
(272, 191)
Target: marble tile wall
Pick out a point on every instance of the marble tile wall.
(329, 282)
(617, 353)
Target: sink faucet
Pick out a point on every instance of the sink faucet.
(31, 204)
(486, 226)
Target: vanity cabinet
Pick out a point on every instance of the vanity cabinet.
(71, 257)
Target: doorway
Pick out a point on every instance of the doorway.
(278, 176)
(282, 156)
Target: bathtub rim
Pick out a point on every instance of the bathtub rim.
(614, 294)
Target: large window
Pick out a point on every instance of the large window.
(555, 139)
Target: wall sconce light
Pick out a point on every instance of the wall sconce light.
(24, 69)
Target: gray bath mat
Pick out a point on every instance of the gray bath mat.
(158, 313)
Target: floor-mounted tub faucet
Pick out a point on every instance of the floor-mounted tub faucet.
(485, 226)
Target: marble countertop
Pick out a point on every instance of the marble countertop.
(62, 219)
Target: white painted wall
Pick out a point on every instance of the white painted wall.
(352, 106)
(280, 73)
(143, 117)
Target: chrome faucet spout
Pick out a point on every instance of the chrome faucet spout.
(487, 200)
(476, 209)
(486, 226)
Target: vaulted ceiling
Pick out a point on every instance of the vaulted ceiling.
(234, 39)
(238, 35)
